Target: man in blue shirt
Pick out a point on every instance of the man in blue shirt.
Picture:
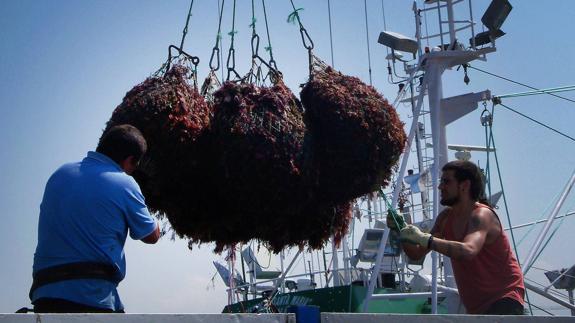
(86, 213)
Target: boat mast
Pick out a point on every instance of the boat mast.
(433, 63)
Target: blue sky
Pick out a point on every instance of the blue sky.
(65, 65)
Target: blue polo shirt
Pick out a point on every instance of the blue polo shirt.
(86, 213)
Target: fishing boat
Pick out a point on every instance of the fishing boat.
(367, 272)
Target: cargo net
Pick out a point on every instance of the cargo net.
(173, 117)
(249, 163)
(258, 135)
(357, 136)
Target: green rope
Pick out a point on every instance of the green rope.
(268, 48)
(253, 24)
(537, 92)
(519, 83)
(292, 17)
(398, 219)
(507, 208)
(231, 62)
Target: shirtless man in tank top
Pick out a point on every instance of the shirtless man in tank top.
(469, 232)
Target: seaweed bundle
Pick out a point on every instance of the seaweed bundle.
(173, 117)
(252, 164)
(259, 136)
(357, 135)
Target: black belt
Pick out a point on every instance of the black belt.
(75, 270)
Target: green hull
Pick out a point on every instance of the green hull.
(348, 299)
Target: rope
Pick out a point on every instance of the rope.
(548, 240)
(487, 120)
(255, 44)
(537, 122)
(532, 227)
(216, 49)
(505, 203)
(399, 221)
(367, 37)
(544, 91)
(305, 38)
(220, 54)
(541, 309)
(231, 62)
(384, 24)
(185, 32)
(330, 31)
(519, 83)
(272, 62)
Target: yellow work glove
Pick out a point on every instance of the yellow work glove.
(412, 234)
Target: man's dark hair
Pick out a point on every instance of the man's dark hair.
(466, 170)
(122, 141)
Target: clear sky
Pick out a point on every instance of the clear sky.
(65, 65)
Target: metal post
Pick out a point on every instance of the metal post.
(570, 292)
(375, 272)
(335, 268)
(282, 258)
(405, 157)
(548, 296)
(536, 246)
(423, 193)
(347, 274)
(434, 72)
(451, 20)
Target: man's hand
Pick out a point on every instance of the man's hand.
(412, 234)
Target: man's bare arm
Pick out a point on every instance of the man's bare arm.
(473, 241)
(417, 252)
(152, 237)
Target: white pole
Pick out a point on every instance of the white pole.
(451, 20)
(528, 262)
(335, 268)
(375, 272)
(570, 292)
(282, 258)
(405, 157)
(434, 72)
(345, 251)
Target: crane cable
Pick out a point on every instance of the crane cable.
(185, 31)
(231, 61)
(367, 37)
(330, 32)
(306, 39)
(272, 62)
(518, 83)
(488, 123)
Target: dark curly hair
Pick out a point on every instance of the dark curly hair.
(466, 170)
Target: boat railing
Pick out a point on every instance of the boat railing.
(252, 287)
